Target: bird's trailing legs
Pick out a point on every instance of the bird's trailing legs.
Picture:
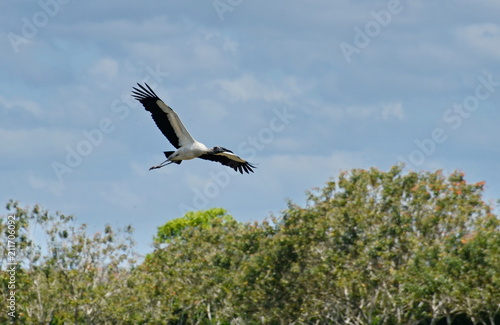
(163, 164)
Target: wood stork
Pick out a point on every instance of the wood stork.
(187, 148)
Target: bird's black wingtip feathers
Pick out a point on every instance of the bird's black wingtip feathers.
(143, 94)
(247, 167)
(149, 99)
(240, 166)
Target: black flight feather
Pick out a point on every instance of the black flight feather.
(237, 166)
(148, 98)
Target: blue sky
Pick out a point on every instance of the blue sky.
(303, 89)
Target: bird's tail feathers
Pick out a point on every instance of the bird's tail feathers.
(169, 153)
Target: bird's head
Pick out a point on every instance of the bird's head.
(219, 149)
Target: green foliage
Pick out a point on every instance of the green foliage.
(193, 219)
(372, 247)
(70, 277)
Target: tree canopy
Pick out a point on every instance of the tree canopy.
(371, 247)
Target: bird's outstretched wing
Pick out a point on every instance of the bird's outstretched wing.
(165, 117)
(228, 158)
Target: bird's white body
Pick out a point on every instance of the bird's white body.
(189, 151)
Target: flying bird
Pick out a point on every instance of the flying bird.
(187, 147)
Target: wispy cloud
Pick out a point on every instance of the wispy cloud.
(482, 39)
(105, 70)
(393, 110)
(248, 87)
(33, 143)
(20, 104)
(53, 186)
(383, 111)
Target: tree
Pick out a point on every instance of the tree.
(72, 276)
(194, 278)
(371, 247)
(191, 220)
(383, 247)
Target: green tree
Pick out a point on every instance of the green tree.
(371, 247)
(194, 278)
(71, 276)
(382, 247)
(191, 220)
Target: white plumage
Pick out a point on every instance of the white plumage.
(187, 147)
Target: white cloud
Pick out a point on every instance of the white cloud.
(31, 143)
(361, 111)
(383, 111)
(494, 4)
(298, 164)
(119, 194)
(106, 68)
(390, 110)
(138, 168)
(226, 42)
(212, 110)
(483, 39)
(248, 87)
(22, 103)
(286, 175)
(54, 187)
(197, 180)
